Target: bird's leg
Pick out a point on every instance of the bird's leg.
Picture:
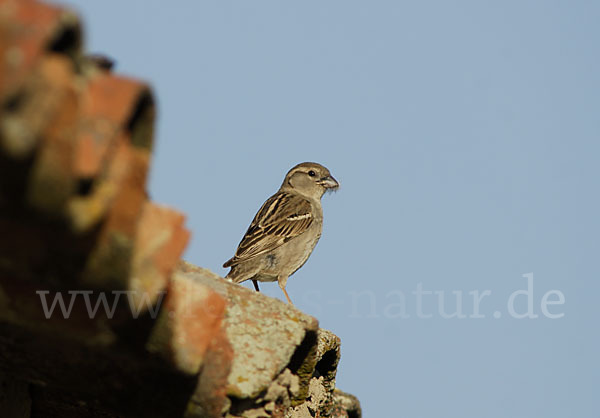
(255, 283)
(282, 281)
(287, 296)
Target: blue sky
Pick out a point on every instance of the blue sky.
(466, 139)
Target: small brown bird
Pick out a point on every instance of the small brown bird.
(285, 230)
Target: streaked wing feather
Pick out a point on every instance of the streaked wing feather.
(282, 217)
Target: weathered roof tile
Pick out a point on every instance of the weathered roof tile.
(136, 333)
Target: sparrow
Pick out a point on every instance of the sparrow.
(285, 230)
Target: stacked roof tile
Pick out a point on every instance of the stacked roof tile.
(138, 333)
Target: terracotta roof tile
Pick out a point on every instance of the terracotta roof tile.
(138, 333)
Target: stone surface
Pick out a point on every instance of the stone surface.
(136, 333)
(110, 104)
(48, 112)
(321, 394)
(116, 117)
(189, 320)
(160, 238)
(110, 261)
(75, 147)
(210, 397)
(28, 30)
(264, 333)
(346, 405)
(283, 364)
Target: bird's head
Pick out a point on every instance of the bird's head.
(310, 179)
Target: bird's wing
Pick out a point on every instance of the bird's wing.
(282, 217)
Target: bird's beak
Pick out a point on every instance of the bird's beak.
(329, 182)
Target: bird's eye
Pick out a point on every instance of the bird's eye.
(312, 173)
